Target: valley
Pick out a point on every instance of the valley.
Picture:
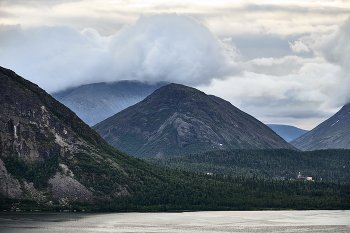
(51, 160)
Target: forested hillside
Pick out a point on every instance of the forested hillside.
(330, 165)
(157, 189)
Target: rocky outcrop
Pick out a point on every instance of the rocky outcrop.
(40, 136)
(33, 125)
(33, 193)
(10, 186)
(66, 189)
(177, 120)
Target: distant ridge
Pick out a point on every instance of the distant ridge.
(98, 101)
(334, 133)
(176, 120)
(287, 132)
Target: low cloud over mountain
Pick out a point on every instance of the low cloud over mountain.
(166, 47)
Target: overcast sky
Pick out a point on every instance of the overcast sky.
(283, 62)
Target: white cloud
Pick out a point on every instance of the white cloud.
(52, 57)
(335, 49)
(171, 48)
(292, 98)
(298, 47)
(167, 47)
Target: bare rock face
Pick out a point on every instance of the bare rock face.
(176, 120)
(43, 143)
(67, 189)
(9, 185)
(33, 193)
(33, 125)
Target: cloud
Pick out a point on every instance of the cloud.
(52, 57)
(335, 49)
(298, 47)
(302, 89)
(172, 48)
(166, 47)
(286, 98)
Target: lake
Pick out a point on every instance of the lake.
(207, 221)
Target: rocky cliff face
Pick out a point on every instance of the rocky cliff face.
(43, 145)
(96, 102)
(333, 133)
(177, 120)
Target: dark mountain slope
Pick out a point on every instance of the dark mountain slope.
(333, 133)
(287, 132)
(45, 148)
(177, 120)
(98, 101)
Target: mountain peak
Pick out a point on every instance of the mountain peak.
(175, 92)
(177, 119)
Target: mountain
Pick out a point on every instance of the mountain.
(287, 132)
(52, 160)
(46, 152)
(98, 101)
(331, 134)
(176, 120)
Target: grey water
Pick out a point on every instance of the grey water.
(207, 221)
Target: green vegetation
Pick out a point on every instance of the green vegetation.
(37, 172)
(327, 165)
(152, 188)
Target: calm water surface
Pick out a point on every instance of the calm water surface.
(211, 221)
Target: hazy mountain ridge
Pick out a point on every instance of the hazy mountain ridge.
(287, 132)
(98, 101)
(177, 120)
(334, 133)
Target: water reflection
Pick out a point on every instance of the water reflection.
(211, 221)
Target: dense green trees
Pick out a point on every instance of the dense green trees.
(38, 172)
(153, 188)
(327, 165)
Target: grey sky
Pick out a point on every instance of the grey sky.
(284, 62)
